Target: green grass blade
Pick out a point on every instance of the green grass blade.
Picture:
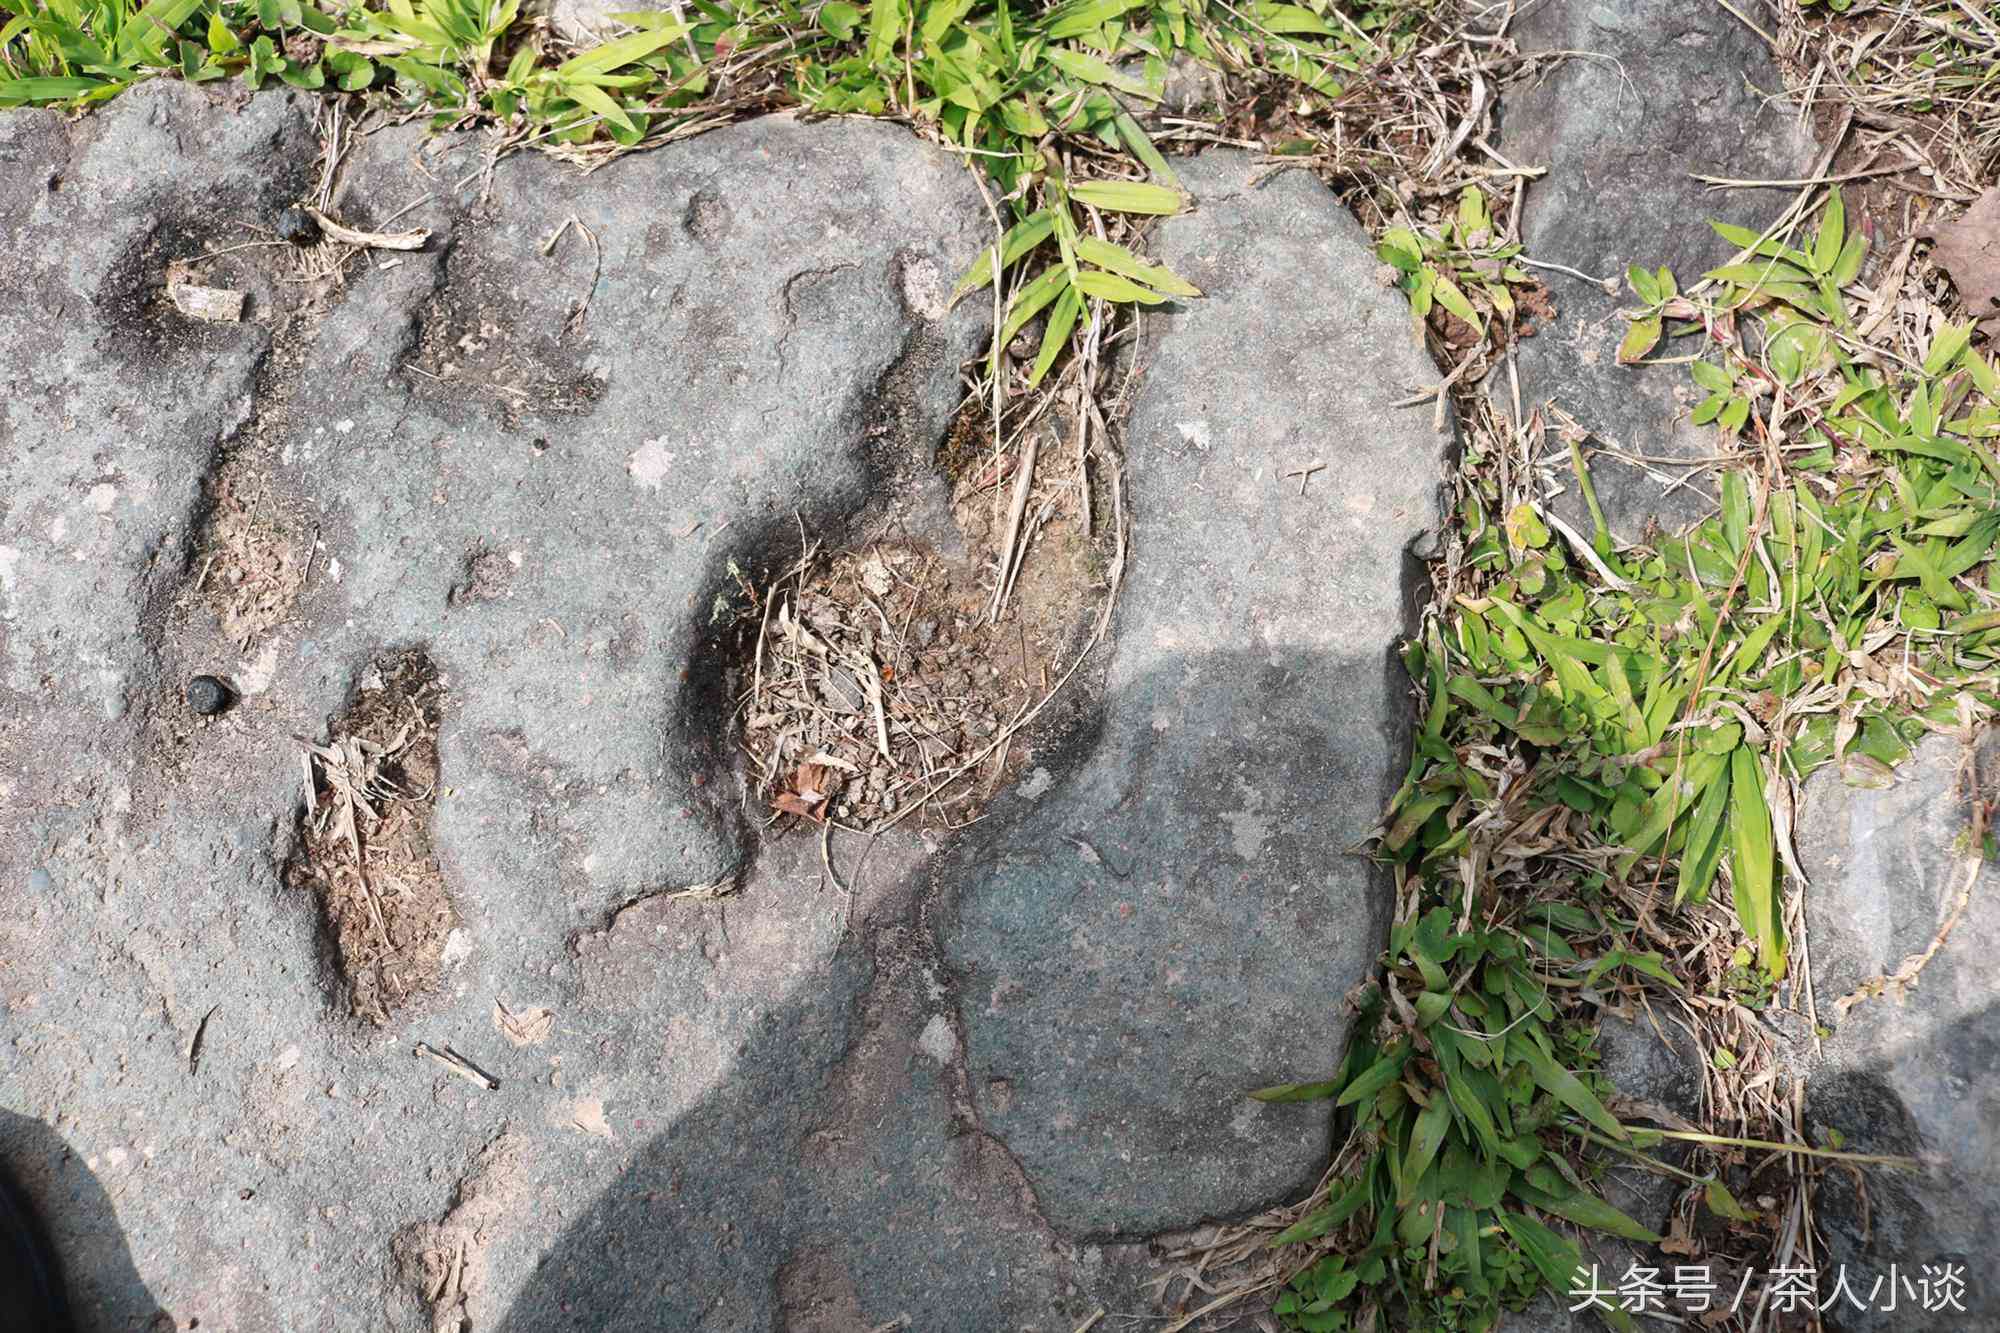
(1018, 239)
(603, 59)
(1564, 1086)
(1056, 336)
(143, 39)
(1752, 861)
(1128, 197)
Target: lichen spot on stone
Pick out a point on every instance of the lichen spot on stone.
(649, 463)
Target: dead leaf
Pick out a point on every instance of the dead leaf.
(812, 787)
(1969, 250)
(1680, 1241)
(523, 1027)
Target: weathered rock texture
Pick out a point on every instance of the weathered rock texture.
(1911, 1072)
(585, 21)
(456, 455)
(1187, 886)
(1653, 90)
(537, 451)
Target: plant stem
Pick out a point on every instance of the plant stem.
(1650, 1163)
(1859, 1159)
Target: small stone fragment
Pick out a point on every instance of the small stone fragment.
(208, 696)
(297, 226)
(214, 304)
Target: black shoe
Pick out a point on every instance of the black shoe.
(31, 1293)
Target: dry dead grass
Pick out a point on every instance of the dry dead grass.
(251, 566)
(882, 683)
(365, 838)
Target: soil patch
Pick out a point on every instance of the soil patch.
(874, 678)
(251, 565)
(443, 1264)
(879, 680)
(365, 846)
(518, 355)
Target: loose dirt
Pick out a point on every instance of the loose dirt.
(365, 846)
(251, 565)
(878, 677)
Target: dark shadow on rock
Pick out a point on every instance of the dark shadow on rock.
(80, 1227)
(1909, 1072)
(1944, 1215)
(866, 1158)
(1172, 925)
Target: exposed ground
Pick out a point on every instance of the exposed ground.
(364, 848)
(888, 682)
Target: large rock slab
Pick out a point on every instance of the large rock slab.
(1651, 91)
(544, 451)
(1909, 1070)
(1175, 919)
(449, 451)
(113, 409)
(829, 1173)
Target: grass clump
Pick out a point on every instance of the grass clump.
(1455, 1088)
(1612, 738)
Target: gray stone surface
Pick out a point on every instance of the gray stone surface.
(537, 458)
(1660, 89)
(587, 21)
(762, 340)
(1178, 916)
(111, 413)
(1913, 1075)
(1651, 1063)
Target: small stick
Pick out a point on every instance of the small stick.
(995, 367)
(312, 554)
(1796, 1149)
(1610, 285)
(370, 240)
(575, 320)
(1744, 19)
(1083, 450)
(1439, 394)
(1023, 480)
(1732, 183)
(459, 1065)
(873, 681)
(1304, 474)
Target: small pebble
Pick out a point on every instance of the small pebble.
(297, 226)
(208, 696)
